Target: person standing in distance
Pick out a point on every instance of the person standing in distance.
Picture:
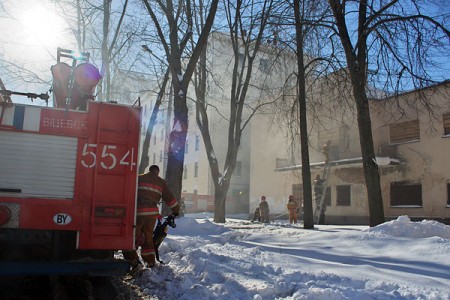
(151, 188)
(292, 208)
(264, 210)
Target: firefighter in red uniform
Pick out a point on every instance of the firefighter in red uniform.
(292, 208)
(151, 188)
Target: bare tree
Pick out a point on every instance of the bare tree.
(78, 17)
(176, 18)
(299, 12)
(110, 48)
(395, 38)
(306, 35)
(109, 33)
(247, 22)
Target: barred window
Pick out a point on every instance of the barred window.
(196, 169)
(406, 194)
(343, 194)
(404, 132)
(281, 163)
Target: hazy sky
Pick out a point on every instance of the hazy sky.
(29, 37)
(34, 32)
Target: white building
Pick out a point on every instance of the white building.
(270, 73)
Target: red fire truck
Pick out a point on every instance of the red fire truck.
(68, 183)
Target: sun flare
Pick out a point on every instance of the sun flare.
(41, 26)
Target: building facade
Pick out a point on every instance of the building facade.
(411, 145)
(419, 186)
(270, 72)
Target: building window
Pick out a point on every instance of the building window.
(160, 156)
(406, 193)
(446, 121)
(196, 169)
(186, 148)
(154, 139)
(238, 169)
(343, 194)
(281, 163)
(327, 200)
(448, 194)
(197, 142)
(154, 158)
(404, 132)
(185, 172)
(162, 135)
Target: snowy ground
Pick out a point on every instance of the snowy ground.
(241, 260)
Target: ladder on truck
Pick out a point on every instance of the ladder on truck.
(323, 187)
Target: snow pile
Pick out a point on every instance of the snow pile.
(243, 260)
(403, 227)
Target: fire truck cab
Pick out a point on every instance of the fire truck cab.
(68, 181)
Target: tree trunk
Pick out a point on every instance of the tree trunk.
(220, 196)
(357, 66)
(103, 95)
(308, 221)
(177, 140)
(180, 80)
(371, 174)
